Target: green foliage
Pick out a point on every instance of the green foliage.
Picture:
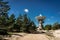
(11, 22)
(56, 26)
(21, 24)
(4, 8)
(31, 28)
(12, 19)
(27, 24)
(48, 27)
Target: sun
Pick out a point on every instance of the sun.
(26, 10)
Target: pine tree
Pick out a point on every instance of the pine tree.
(28, 25)
(11, 22)
(25, 22)
(4, 8)
(19, 22)
(12, 19)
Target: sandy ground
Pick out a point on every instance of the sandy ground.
(34, 37)
(30, 37)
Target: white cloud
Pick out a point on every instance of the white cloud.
(26, 10)
(40, 15)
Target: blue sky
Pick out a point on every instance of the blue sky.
(48, 8)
